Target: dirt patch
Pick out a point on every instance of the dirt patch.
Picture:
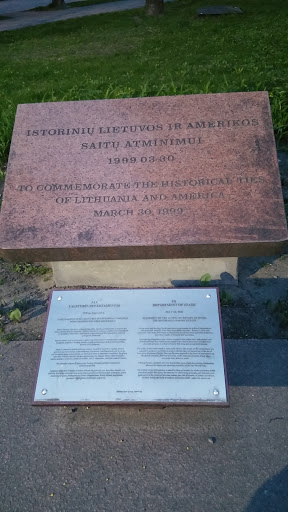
(27, 292)
(257, 308)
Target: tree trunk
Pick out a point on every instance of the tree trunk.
(154, 7)
(58, 4)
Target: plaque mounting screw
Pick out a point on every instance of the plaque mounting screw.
(215, 392)
(59, 298)
(44, 392)
(208, 296)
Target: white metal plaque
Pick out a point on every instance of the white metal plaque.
(133, 346)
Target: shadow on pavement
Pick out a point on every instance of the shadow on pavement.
(257, 363)
(272, 496)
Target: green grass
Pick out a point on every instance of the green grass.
(5, 338)
(30, 268)
(280, 310)
(127, 55)
(15, 315)
(226, 298)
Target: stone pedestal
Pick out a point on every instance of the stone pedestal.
(145, 273)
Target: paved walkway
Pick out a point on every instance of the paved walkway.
(22, 19)
(133, 459)
(12, 6)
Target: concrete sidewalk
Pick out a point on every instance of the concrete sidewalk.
(137, 459)
(12, 6)
(29, 18)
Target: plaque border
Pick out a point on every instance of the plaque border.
(37, 403)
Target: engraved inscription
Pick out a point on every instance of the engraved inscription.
(203, 187)
(153, 173)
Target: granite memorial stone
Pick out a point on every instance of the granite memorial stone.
(167, 177)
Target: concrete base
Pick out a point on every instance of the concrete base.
(145, 273)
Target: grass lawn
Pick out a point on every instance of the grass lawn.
(127, 54)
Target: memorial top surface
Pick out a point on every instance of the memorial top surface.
(143, 178)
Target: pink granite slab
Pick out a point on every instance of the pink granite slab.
(161, 177)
